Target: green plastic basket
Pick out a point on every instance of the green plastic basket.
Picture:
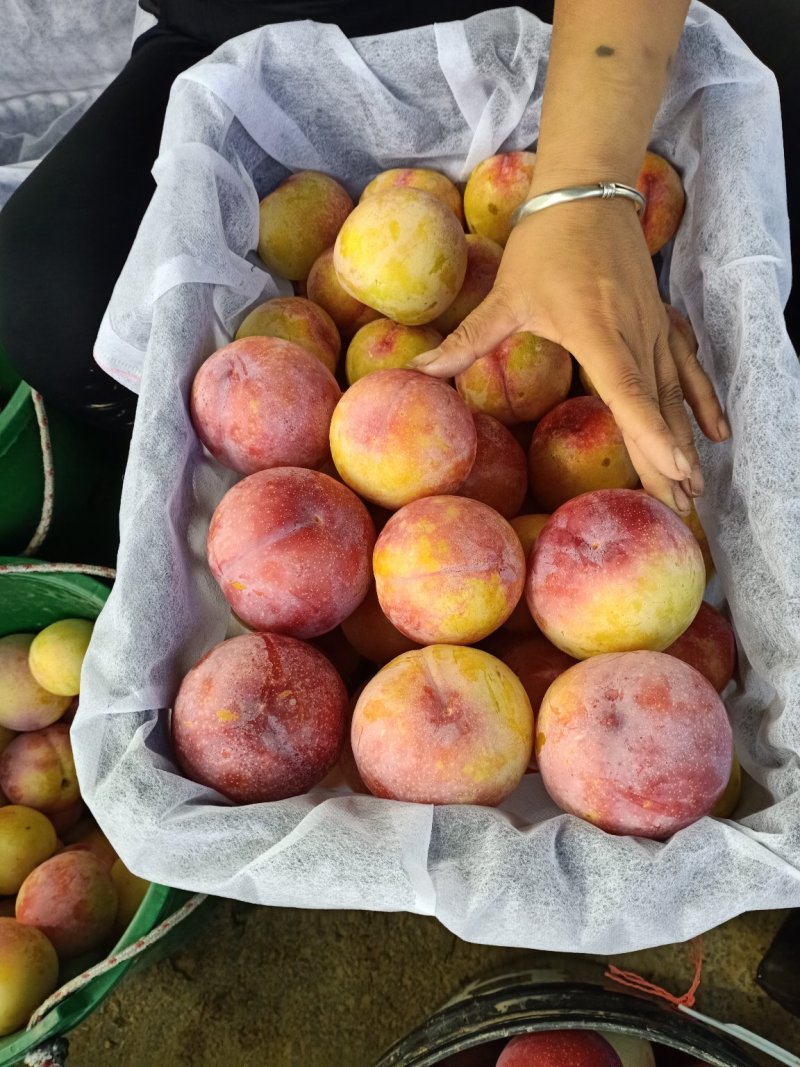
(28, 602)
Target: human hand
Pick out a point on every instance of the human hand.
(580, 275)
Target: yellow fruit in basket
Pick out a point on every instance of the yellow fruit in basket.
(403, 253)
(56, 655)
(27, 838)
(24, 704)
(495, 189)
(131, 891)
(28, 973)
(429, 181)
(298, 221)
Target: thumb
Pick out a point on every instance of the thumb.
(481, 331)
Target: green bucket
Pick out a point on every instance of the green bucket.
(28, 602)
(88, 468)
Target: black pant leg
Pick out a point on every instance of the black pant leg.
(67, 230)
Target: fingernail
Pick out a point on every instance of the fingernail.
(424, 359)
(682, 463)
(682, 501)
(697, 482)
(723, 429)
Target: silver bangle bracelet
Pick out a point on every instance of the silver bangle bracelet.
(604, 190)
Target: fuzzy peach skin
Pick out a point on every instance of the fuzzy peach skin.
(614, 570)
(499, 475)
(661, 186)
(372, 635)
(290, 549)
(494, 191)
(295, 319)
(27, 838)
(261, 717)
(72, 900)
(263, 402)
(404, 253)
(92, 840)
(448, 570)
(37, 770)
(325, 290)
(387, 345)
(298, 220)
(527, 528)
(483, 260)
(24, 704)
(575, 448)
(443, 725)
(559, 1048)
(28, 973)
(637, 743)
(398, 435)
(429, 181)
(519, 381)
(708, 645)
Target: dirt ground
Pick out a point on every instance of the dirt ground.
(273, 987)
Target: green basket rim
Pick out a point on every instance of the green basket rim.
(12, 414)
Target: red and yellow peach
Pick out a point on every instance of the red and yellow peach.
(448, 569)
(325, 290)
(519, 380)
(495, 189)
(483, 260)
(28, 973)
(298, 220)
(386, 345)
(404, 253)
(261, 717)
(527, 528)
(443, 725)
(708, 645)
(290, 549)
(372, 635)
(27, 838)
(263, 402)
(614, 570)
(559, 1048)
(429, 181)
(636, 743)
(398, 435)
(37, 770)
(295, 319)
(24, 703)
(661, 186)
(499, 475)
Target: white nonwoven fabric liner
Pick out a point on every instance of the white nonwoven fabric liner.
(303, 96)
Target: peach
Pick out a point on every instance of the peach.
(660, 184)
(729, 801)
(37, 770)
(483, 260)
(708, 645)
(519, 380)
(28, 973)
(260, 717)
(578, 447)
(637, 743)
(536, 662)
(399, 435)
(614, 570)
(131, 891)
(387, 345)
(325, 289)
(429, 181)
(56, 655)
(27, 838)
(494, 191)
(443, 725)
(72, 900)
(559, 1048)
(298, 220)
(527, 528)
(24, 703)
(263, 402)
(372, 635)
(290, 549)
(295, 319)
(448, 569)
(67, 818)
(404, 253)
(499, 476)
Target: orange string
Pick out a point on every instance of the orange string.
(641, 985)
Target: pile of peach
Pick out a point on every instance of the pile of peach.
(428, 612)
(63, 891)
